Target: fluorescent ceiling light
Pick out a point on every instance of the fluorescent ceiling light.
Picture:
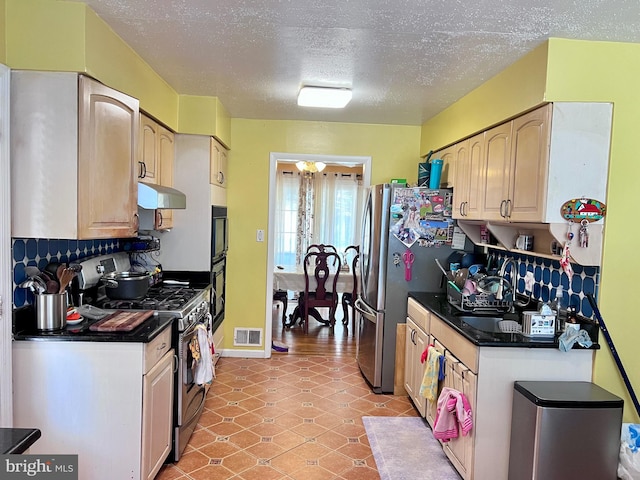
(310, 166)
(325, 97)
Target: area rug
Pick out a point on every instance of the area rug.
(404, 449)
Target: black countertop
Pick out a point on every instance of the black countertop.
(17, 440)
(437, 304)
(24, 329)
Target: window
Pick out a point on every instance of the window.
(316, 208)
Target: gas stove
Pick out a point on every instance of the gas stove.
(189, 302)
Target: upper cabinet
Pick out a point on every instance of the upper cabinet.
(218, 172)
(516, 176)
(148, 163)
(448, 157)
(157, 155)
(74, 153)
(219, 157)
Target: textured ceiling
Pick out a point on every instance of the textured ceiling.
(406, 60)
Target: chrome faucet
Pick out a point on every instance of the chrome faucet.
(502, 274)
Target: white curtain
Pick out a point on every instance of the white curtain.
(315, 208)
(286, 222)
(337, 210)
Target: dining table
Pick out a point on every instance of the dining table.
(292, 279)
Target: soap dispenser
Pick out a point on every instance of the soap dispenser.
(559, 308)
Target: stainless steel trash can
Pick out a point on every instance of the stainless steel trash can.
(564, 431)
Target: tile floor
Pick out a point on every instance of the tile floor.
(292, 417)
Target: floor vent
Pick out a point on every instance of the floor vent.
(247, 336)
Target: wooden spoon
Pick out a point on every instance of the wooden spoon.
(66, 275)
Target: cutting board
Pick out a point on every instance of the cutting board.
(121, 321)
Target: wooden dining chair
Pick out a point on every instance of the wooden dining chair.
(349, 298)
(282, 297)
(321, 247)
(316, 271)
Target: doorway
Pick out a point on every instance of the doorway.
(271, 322)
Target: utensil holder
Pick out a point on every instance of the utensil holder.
(51, 311)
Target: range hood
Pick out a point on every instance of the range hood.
(152, 197)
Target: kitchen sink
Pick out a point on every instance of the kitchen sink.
(486, 324)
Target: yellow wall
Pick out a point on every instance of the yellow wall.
(3, 33)
(568, 70)
(519, 87)
(204, 116)
(69, 36)
(394, 151)
(608, 72)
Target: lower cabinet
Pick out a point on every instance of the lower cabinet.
(110, 403)
(157, 415)
(416, 342)
(460, 450)
(485, 375)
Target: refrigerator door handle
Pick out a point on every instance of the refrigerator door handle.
(364, 308)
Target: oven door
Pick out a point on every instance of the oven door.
(191, 396)
(218, 276)
(219, 233)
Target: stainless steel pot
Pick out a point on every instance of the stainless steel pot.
(126, 285)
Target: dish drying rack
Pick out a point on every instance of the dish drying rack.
(478, 302)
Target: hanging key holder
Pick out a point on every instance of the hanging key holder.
(583, 210)
(583, 234)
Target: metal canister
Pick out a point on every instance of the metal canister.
(51, 311)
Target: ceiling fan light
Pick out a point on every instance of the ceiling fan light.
(324, 97)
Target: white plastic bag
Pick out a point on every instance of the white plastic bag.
(629, 462)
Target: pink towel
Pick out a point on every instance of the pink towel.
(453, 414)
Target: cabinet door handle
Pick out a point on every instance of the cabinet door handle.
(175, 363)
(136, 221)
(466, 209)
(159, 218)
(461, 209)
(508, 209)
(144, 170)
(503, 205)
(221, 178)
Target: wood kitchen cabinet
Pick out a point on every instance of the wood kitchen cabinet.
(416, 340)
(219, 158)
(157, 156)
(74, 156)
(517, 160)
(157, 415)
(524, 170)
(497, 151)
(469, 178)
(485, 375)
(448, 157)
(111, 403)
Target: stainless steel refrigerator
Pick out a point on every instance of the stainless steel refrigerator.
(404, 231)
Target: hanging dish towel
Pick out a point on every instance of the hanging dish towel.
(453, 415)
(429, 386)
(204, 368)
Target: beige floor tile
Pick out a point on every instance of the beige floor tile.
(290, 417)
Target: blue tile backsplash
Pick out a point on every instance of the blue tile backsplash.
(548, 274)
(40, 252)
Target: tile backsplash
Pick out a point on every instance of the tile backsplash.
(548, 274)
(40, 252)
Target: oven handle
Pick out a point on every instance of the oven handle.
(197, 411)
